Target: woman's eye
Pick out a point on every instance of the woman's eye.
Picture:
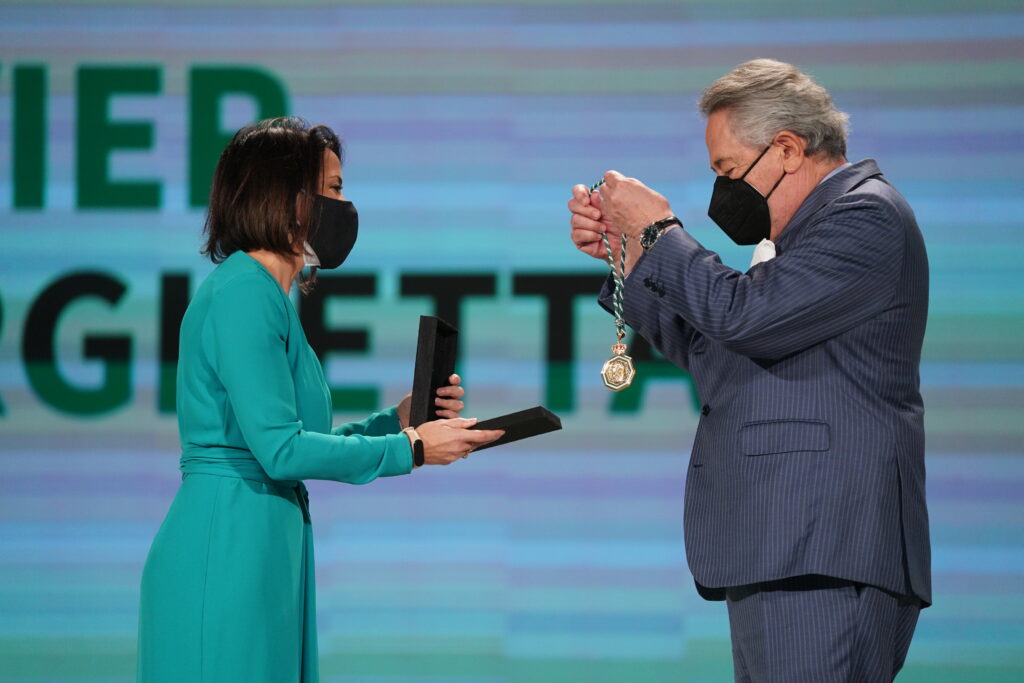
(336, 188)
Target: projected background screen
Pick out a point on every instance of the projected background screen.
(466, 123)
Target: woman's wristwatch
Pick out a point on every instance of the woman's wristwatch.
(417, 446)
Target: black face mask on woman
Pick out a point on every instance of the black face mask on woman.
(335, 233)
(739, 209)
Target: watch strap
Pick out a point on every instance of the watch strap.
(416, 442)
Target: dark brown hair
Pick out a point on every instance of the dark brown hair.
(260, 173)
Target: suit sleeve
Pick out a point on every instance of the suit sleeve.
(842, 273)
(667, 332)
(378, 424)
(247, 328)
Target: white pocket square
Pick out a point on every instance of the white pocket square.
(764, 251)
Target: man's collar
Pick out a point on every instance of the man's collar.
(838, 169)
(827, 191)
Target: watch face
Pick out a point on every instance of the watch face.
(653, 231)
(649, 236)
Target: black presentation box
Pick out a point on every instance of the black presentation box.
(435, 363)
(522, 425)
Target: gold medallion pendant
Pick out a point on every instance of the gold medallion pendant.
(618, 371)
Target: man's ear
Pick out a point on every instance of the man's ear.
(794, 150)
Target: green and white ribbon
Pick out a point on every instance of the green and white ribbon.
(617, 274)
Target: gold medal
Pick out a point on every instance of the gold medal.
(618, 371)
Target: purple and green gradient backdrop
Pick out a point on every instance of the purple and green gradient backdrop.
(559, 559)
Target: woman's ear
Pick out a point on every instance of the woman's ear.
(300, 207)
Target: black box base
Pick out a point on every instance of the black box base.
(520, 425)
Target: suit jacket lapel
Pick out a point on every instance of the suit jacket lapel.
(823, 194)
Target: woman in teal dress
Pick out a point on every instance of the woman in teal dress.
(227, 590)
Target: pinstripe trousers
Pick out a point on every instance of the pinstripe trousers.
(817, 629)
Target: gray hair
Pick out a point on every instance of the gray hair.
(764, 97)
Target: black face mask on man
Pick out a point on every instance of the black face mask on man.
(739, 209)
(331, 241)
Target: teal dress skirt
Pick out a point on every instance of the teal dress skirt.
(227, 590)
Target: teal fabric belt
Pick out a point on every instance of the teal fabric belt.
(239, 464)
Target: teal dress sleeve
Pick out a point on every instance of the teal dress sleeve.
(247, 333)
(378, 424)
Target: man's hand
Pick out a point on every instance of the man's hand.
(588, 226)
(629, 205)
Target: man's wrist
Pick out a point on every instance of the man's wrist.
(634, 256)
(650, 235)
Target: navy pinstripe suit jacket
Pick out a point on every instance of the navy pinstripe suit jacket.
(809, 455)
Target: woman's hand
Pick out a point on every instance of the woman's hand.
(449, 402)
(445, 441)
(449, 398)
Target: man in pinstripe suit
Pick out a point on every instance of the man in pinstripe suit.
(805, 505)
